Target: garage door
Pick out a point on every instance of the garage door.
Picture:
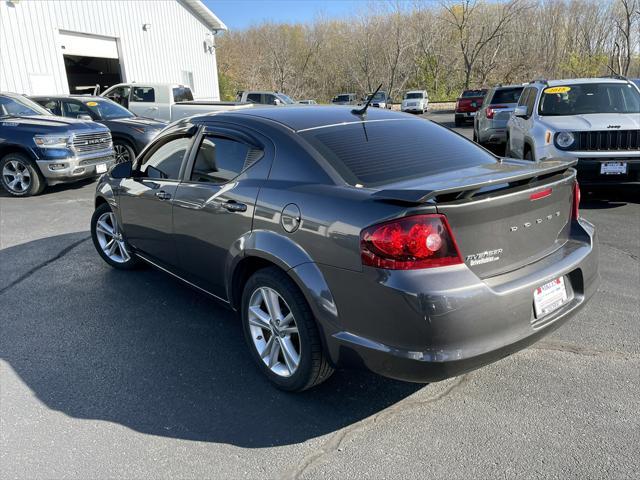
(83, 45)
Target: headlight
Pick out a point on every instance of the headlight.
(565, 139)
(52, 141)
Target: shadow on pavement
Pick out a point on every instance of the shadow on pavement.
(142, 350)
(599, 197)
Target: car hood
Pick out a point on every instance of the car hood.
(49, 123)
(139, 122)
(594, 121)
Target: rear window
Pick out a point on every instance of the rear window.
(182, 94)
(507, 95)
(378, 153)
(473, 93)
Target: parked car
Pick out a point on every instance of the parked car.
(263, 98)
(163, 101)
(415, 101)
(380, 100)
(39, 149)
(343, 239)
(490, 121)
(595, 121)
(129, 132)
(307, 102)
(468, 104)
(345, 99)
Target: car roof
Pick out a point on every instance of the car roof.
(574, 81)
(517, 85)
(303, 117)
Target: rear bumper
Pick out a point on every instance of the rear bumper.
(494, 134)
(428, 325)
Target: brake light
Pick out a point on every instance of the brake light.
(409, 243)
(575, 209)
(541, 194)
(491, 110)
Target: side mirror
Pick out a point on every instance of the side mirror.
(84, 116)
(277, 102)
(121, 170)
(521, 111)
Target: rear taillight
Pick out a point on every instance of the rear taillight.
(491, 110)
(419, 241)
(575, 209)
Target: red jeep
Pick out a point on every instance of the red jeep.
(468, 104)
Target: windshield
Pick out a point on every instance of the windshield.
(414, 95)
(380, 96)
(473, 93)
(107, 110)
(19, 106)
(284, 99)
(588, 98)
(342, 98)
(378, 153)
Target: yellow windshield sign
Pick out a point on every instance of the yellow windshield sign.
(557, 90)
(92, 104)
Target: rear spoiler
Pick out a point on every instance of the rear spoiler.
(528, 175)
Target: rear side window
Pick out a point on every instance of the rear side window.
(182, 94)
(220, 160)
(254, 98)
(506, 95)
(378, 153)
(473, 93)
(143, 94)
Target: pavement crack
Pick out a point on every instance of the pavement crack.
(566, 347)
(334, 443)
(619, 250)
(40, 266)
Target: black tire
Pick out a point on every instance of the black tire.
(36, 182)
(314, 367)
(129, 264)
(123, 150)
(528, 154)
(459, 121)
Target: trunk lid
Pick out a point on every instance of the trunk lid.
(502, 216)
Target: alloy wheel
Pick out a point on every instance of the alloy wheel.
(110, 238)
(16, 176)
(121, 152)
(274, 331)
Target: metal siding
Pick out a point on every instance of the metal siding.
(30, 41)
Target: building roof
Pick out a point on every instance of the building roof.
(304, 117)
(206, 15)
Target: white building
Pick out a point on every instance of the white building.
(62, 46)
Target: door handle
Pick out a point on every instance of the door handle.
(162, 195)
(233, 206)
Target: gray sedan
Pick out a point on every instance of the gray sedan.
(490, 122)
(346, 238)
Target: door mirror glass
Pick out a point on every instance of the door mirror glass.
(121, 170)
(521, 111)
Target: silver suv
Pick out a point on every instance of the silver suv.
(490, 122)
(594, 120)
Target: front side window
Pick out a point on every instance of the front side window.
(165, 162)
(220, 160)
(143, 95)
(586, 98)
(285, 99)
(120, 95)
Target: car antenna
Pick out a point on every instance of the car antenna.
(361, 112)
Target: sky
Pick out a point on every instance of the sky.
(240, 14)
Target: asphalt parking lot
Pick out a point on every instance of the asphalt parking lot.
(133, 375)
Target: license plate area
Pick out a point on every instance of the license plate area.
(549, 297)
(101, 168)
(613, 168)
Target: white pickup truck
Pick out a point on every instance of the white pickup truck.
(164, 101)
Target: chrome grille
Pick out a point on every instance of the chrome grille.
(608, 140)
(91, 142)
